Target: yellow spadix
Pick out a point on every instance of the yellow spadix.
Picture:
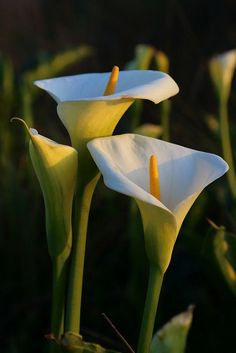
(154, 177)
(111, 85)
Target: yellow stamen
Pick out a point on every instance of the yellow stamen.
(111, 85)
(154, 178)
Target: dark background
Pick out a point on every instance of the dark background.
(189, 32)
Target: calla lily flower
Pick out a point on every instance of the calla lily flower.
(56, 168)
(87, 113)
(222, 69)
(90, 106)
(183, 174)
(164, 191)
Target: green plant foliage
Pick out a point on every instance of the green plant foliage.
(142, 58)
(6, 101)
(25, 293)
(173, 335)
(55, 65)
(225, 252)
(20, 197)
(221, 69)
(147, 57)
(75, 344)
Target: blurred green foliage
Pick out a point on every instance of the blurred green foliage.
(172, 337)
(225, 252)
(20, 201)
(54, 66)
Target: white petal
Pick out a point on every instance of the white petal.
(124, 166)
(152, 85)
(184, 173)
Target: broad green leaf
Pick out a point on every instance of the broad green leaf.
(173, 336)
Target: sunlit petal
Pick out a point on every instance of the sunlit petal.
(143, 84)
(183, 172)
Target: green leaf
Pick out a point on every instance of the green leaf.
(57, 64)
(173, 336)
(162, 61)
(225, 252)
(73, 343)
(142, 58)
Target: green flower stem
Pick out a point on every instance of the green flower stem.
(58, 298)
(82, 208)
(226, 144)
(150, 308)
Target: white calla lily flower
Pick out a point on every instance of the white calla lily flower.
(183, 174)
(87, 113)
(55, 166)
(138, 84)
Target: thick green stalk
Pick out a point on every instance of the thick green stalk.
(226, 144)
(58, 299)
(82, 208)
(150, 308)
